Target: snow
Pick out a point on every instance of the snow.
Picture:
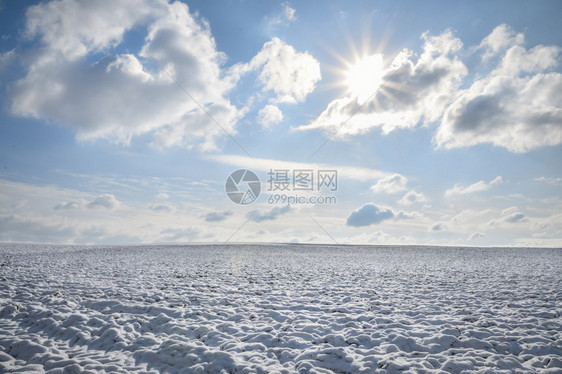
(279, 309)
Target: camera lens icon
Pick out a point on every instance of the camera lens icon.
(243, 186)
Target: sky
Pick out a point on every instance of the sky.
(365, 122)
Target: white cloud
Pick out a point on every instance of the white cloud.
(413, 197)
(517, 106)
(120, 96)
(515, 217)
(476, 235)
(291, 75)
(548, 226)
(408, 215)
(184, 234)
(475, 187)
(511, 209)
(368, 214)
(162, 196)
(287, 15)
(68, 205)
(391, 184)
(416, 90)
(6, 59)
(107, 201)
(519, 60)
(265, 165)
(469, 217)
(501, 38)
(555, 181)
(217, 216)
(72, 29)
(289, 12)
(269, 115)
(271, 215)
(161, 208)
(27, 214)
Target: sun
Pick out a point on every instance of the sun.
(364, 77)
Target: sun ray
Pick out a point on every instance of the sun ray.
(362, 71)
(398, 87)
(364, 77)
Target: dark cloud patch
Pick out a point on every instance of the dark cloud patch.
(217, 216)
(368, 214)
(257, 216)
(515, 217)
(438, 227)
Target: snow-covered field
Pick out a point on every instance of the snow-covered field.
(279, 308)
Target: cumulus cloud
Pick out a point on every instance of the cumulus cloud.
(106, 201)
(368, 214)
(416, 89)
(391, 184)
(74, 78)
(500, 39)
(519, 60)
(217, 216)
(517, 106)
(258, 216)
(269, 115)
(291, 75)
(476, 187)
(412, 197)
(73, 29)
(408, 215)
(122, 95)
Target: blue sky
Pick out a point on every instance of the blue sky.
(442, 119)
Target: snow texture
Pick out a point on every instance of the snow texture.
(279, 309)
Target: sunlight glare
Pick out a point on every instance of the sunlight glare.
(364, 77)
